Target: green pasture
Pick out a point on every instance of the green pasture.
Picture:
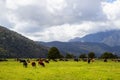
(69, 70)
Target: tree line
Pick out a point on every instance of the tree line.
(54, 53)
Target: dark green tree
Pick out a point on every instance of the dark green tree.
(83, 56)
(53, 53)
(91, 55)
(116, 56)
(108, 55)
(68, 55)
(61, 56)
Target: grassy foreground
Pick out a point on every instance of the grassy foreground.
(61, 70)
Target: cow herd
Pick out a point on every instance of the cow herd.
(1, 60)
(42, 61)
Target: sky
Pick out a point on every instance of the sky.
(59, 20)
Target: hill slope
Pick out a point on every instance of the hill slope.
(13, 44)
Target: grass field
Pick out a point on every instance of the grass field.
(98, 70)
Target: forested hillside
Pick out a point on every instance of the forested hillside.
(13, 44)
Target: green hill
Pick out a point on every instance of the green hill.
(13, 44)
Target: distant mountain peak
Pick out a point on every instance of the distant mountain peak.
(111, 38)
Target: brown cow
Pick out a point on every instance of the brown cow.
(41, 63)
(33, 64)
(92, 60)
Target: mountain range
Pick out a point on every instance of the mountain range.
(13, 44)
(110, 38)
(108, 41)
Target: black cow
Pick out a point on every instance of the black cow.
(105, 60)
(3, 60)
(28, 60)
(76, 59)
(25, 64)
(84, 59)
(118, 60)
(66, 59)
(22, 60)
(61, 59)
(89, 61)
(46, 61)
(54, 60)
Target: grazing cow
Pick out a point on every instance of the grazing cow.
(118, 60)
(46, 61)
(25, 64)
(84, 59)
(55, 60)
(89, 61)
(66, 59)
(22, 60)
(37, 59)
(41, 63)
(3, 60)
(115, 60)
(17, 59)
(92, 60)
(61, 59)
(28, 60)
(105, 60)
(76, 59)
(33, 64)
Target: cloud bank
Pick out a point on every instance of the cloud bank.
(61, 20)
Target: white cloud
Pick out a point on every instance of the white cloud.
(49, 20)
(66, 32)
(54, 5)
(112, 11)
(4, 14)
(56, 12)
